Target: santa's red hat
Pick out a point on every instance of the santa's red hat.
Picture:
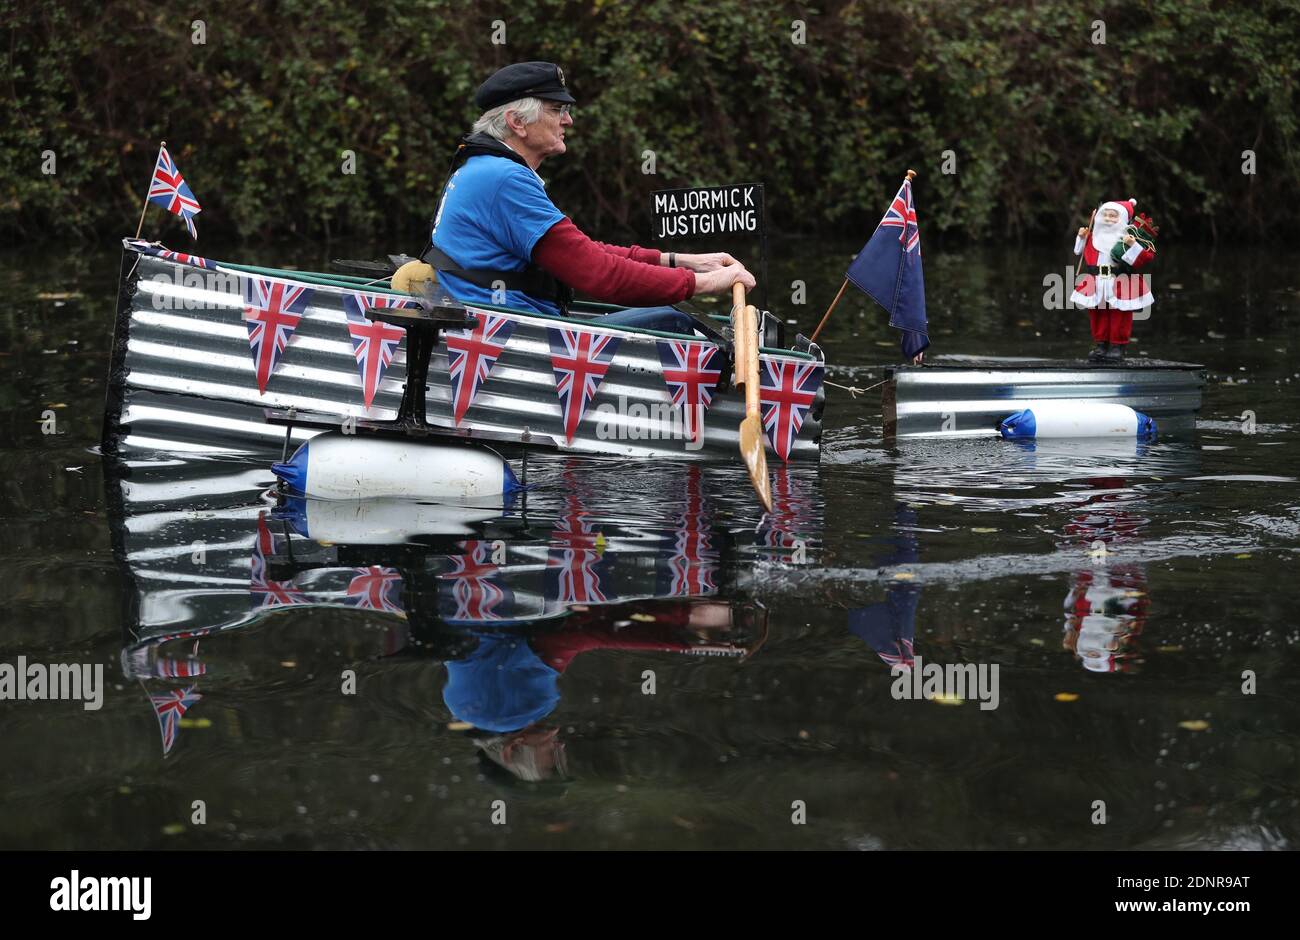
(1127, 206)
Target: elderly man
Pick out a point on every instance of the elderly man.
(498, 238)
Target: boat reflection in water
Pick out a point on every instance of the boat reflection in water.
(1100, 489)
(506, 596)
(1108, 601)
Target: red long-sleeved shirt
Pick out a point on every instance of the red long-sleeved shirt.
(611, 274)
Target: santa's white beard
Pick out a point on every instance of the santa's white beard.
(1104, 237)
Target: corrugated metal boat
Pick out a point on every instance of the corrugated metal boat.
(207, 552)
(213, 357)
(960, 396)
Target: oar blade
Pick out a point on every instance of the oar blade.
(755, 455)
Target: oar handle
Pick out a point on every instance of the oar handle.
(740, 348)
(751, 360)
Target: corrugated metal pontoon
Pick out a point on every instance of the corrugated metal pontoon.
(967, 396)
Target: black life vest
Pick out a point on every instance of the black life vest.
(532, 280)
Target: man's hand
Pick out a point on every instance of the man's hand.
(703, 263)
(720, 279)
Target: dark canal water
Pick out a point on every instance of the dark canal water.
(1122, 591)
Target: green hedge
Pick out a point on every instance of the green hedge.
(1042, 122)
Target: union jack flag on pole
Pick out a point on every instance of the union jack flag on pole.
(471, 354)
(169, 190)
(888, 270)
(580, 360)
(373, 341)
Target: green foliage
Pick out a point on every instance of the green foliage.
(1041, 121)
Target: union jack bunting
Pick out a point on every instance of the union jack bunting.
(145, 248)
(373, 588)
(477, 597)
(265, 593)
(694, 561)
(780, 529)
(170, 708)
(691, 374)
(574, 558)
(786, 392)
(169, 190)
(580, 360)
(471, 354)
(272, 310)
(373, 342)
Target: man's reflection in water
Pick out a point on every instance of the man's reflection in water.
(505, 683)
(1106, 607)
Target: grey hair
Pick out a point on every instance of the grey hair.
(493, 122)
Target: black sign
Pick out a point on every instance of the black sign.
(712, 210)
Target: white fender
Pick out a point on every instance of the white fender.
(1073, 417)
(350, 466)
(380, 521)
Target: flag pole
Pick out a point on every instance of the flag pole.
(829, 310)
(145, 208)
(911, 174)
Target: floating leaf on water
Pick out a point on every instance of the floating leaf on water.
(947, 698)
(196, 722)
(804, 735)
(173, 829)
(1066, 696)
(58, 295)
(124, 790)
(1135, 593)
(983, 530)
(644, 618)
(1169, 649)
(458, 726)
(1196, 724)
(1242, 555)
(903, 576)
(1036, 641)
(288, 664)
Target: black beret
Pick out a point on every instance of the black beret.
(523, 80)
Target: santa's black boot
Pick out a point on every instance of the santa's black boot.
(1099, 352)
(1115, 354)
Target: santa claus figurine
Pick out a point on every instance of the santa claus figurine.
(1114, 245)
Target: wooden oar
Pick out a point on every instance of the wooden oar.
(745, 321)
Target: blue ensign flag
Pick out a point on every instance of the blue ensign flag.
(888, 270)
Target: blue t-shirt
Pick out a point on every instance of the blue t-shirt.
(492, 214)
